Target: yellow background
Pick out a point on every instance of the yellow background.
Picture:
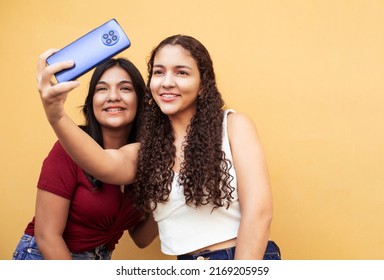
(309, 73)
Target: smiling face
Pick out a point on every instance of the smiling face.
(115, 100)
(175, 81)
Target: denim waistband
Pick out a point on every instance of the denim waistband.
(272, 252)
(221, 254)
(27, 249)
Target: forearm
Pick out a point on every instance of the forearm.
(108, 166)
(53, 248)
(252, 238)
(82, 148)
(145, 232)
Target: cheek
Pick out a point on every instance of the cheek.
(154, 85)
(98, 100)
(97, 111)
(192, 88)
(134, 98)
(131, 100)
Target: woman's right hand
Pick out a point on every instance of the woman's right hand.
(52, 95)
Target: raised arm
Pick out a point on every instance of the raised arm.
(110, 166)
(253, 188)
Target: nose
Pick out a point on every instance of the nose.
(114, 95)
(168, 80)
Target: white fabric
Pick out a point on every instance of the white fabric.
(183, 229)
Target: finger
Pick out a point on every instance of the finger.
(51, 93)
(47, 54)
(42, 62)
(65, 87)
(45, 75)
(58, 66)
(42, 65)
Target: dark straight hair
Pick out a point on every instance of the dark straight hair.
(92, 126)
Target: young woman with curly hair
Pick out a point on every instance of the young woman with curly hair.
(199, 168)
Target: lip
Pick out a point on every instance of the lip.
(168, 96)
(114, 109)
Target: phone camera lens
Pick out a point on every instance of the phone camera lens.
(110, 37)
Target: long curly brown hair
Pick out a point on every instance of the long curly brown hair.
(204, 174)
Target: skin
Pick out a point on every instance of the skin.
(175, 86)
(115, 106)
(253, 188)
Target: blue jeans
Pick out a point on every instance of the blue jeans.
(271, 253)
(27, 250)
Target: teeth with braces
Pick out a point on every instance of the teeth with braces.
(114, 109)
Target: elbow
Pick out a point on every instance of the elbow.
(143, 239)
(261, 219)
(144, 242)
(39, 236)
(108, 175)
(141, 245)
(267, 217)
(41, 240)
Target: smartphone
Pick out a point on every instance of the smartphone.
(90, 50)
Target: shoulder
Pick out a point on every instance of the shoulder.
(241, 129)
(59, 173)
(58, 157)
(57, 146)
(237, 121)
(58, 150)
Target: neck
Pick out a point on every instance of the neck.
(115, 139)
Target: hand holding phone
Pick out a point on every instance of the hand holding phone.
(90, 50)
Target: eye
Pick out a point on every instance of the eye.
(182, 73)
(157, 72)
(101, 89)
(126, 89)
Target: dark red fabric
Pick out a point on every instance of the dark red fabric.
(96, 217)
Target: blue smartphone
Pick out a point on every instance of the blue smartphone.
(90, 50)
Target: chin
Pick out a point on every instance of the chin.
(168, 111)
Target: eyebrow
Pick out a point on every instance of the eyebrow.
(121, 82)
(177, 66)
